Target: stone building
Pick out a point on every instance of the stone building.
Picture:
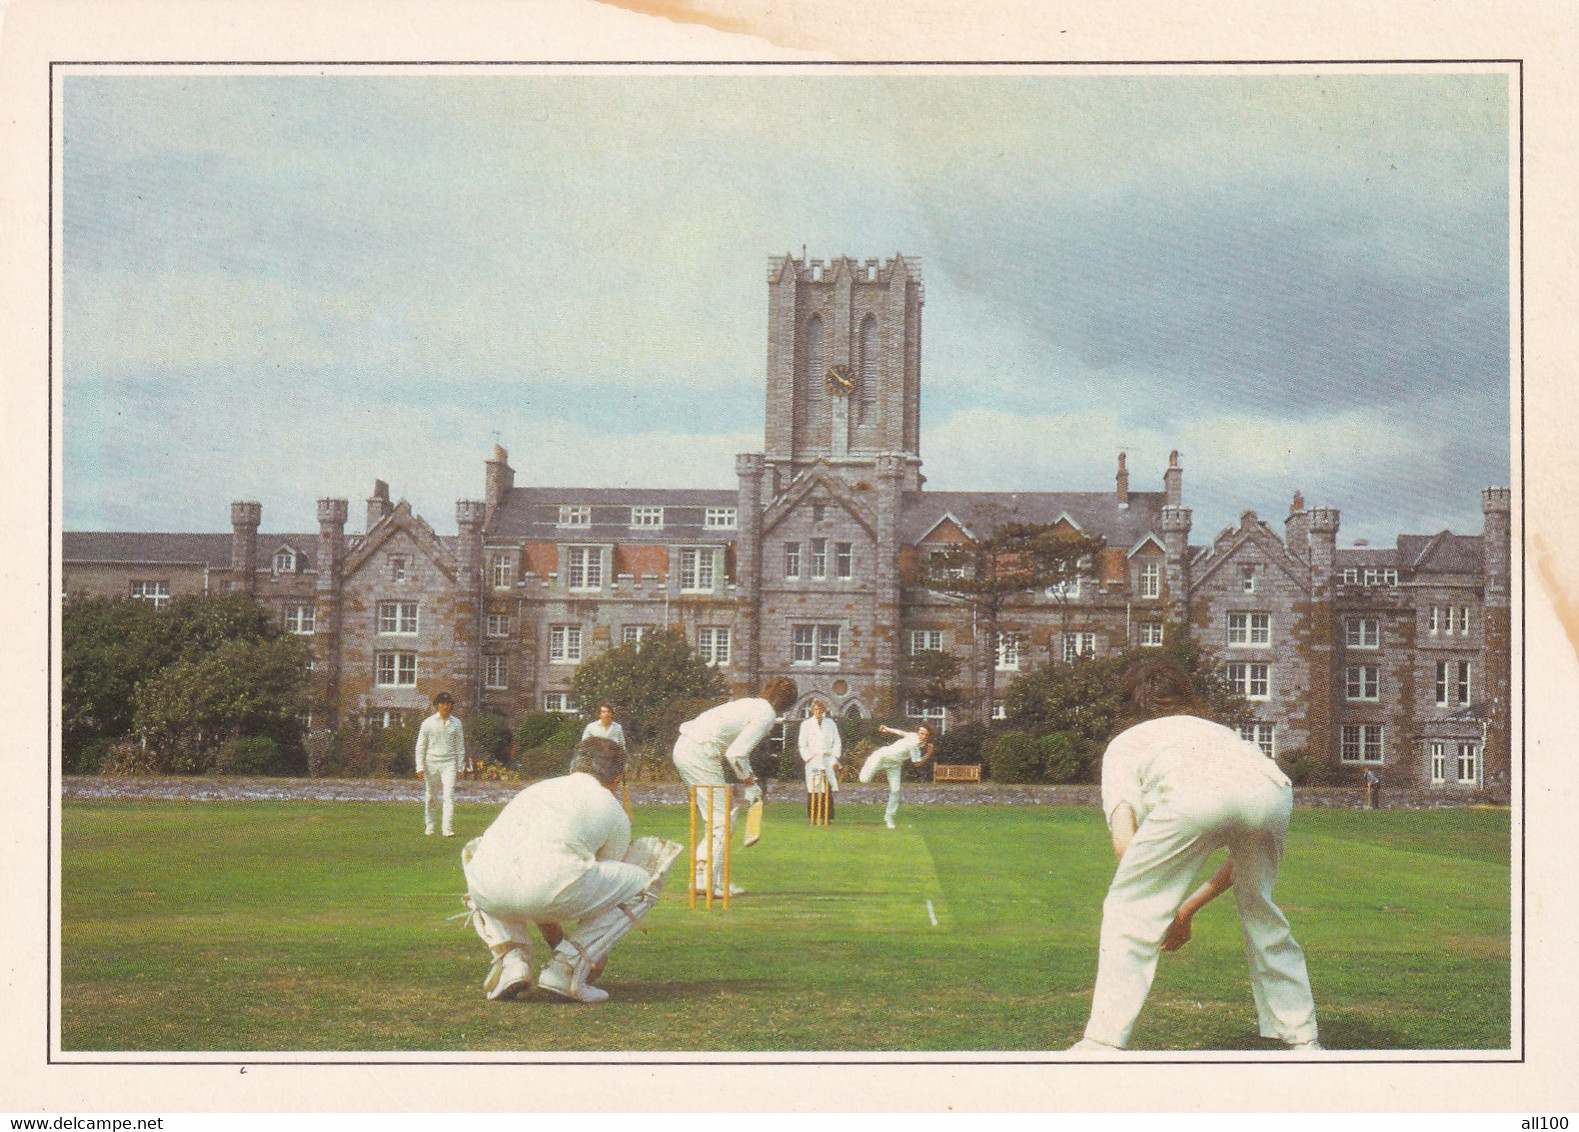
(1394, 659)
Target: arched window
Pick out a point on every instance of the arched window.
(866, 411)
(808, 383)
(852, 710)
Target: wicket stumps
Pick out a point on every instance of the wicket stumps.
(713, 795)
(821, 799)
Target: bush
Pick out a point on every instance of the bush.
(535, 729)
(547, 761)
(1306, 769)
(488, 738)
(1015, 757)
(962, 744)
(87, 758)
(250, 754)
(129, 759)
(187, 755)
(1065, 757)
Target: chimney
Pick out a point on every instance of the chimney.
(1296, 529)
(378, 505)
(244, 520)
(499, 478)
(1123, 482)
(1173, 481)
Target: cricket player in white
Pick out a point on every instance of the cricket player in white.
(720, 735)
(820, 749)
(551, 856)
(604, 727)
(911, 746)
(1175, 789)
(441, 751)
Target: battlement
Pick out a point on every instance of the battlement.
(1496, 499)
(470, 513)
(246, 513)
(871, 271)
(1324, 520)
(1176, 519)
(332, 512)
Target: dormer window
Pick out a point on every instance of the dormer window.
(575, 515)
(648, 517)
(721, 518)
(285, 560)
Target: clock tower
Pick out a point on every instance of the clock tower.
(844, 366)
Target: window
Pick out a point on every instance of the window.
(1452, 682)
(1362, 682)
(1351, 576)
(500, 568)
(815, 644)
(1468, 763)
(721, 518)
(792, 560)
(1362, 633)
(564, 644)
(1252, 681)
(1438, 762)
(1458, 620)
(1261, 735)
(1150, 634)
(584, 567)
(299, 619)
(285, 561)
(844, 559)
(697, 566)
(156, 592)
(495, 672)
(939, 561)
(646, 516)
(397, 568)
(1066, 590)
(819, 512)
(819, 558)
(397, 617)
(1377, 576)
(498, 625)
(559, 702)
(575, 515)
(1247, 579)
(936, 718)
(632, 634)
(395, 669)
(1249, 630)
(384, 718)
(926, 640)
(1079, 644)
(712, 645)
(1362, 742)
(999, 710)
(1151, 579)
(1008, 652)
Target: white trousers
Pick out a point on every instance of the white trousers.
(895, 771)
(1158, 871)
(438, 771)
(508, 908)
(696, 769)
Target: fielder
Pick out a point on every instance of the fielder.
(914, 746)
(820, 749)
(604, 727)
(551, 856)
(1175, 789)
(720, 735)
(441, 751)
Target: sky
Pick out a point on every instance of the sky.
(283, 286)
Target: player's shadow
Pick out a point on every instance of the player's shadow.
(668, 991)
(1336, 1034)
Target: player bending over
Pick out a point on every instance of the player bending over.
(720, 735)
(554, 854)
(913, 746)
(1175, 789)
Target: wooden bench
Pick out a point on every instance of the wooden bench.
(956, 772)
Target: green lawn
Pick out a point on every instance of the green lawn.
(298, 926)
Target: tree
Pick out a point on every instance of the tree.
(649, 683)
(991, 574)
(1081, 703)
(929, 678)
(193, 707)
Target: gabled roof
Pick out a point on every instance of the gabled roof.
(808, 481)
(1442, 553)
(171, 548)
(1251, 531)
(532, 513)
(1094, 512)
(402, 521)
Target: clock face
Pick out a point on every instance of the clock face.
(840, 380)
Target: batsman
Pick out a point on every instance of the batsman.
(561, 851)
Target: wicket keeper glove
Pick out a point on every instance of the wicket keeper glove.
(753, 794)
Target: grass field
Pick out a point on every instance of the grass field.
(297, 926)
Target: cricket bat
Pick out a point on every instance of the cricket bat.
(754, 824)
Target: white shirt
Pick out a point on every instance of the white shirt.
(730, 732)
(440, 739)
(1145, 762)
(907, 746)
(820, 747)
(547, 837)
(613, 732)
